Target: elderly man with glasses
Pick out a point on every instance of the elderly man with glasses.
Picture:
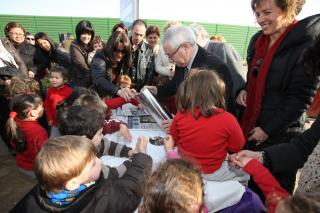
(179, 44)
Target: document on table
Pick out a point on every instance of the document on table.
(135, 118)
(157, 153)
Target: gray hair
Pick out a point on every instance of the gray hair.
(199, 30)
(177, 35)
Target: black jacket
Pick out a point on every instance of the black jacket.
(293, 155)
(107, 195)
(43, 59)
(288, 89)
(101, 72)
(202, 60)
(27, 52)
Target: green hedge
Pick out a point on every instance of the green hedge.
(238, 36)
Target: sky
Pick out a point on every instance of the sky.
(236, 12)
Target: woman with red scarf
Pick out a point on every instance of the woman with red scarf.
(278, 90)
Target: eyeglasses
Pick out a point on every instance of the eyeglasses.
(170, 56)
(256, 68)
(17, 34)
(29, 39)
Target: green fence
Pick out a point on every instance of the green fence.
(238, 36)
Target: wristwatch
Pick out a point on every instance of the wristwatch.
(265, 159)
(263, 155)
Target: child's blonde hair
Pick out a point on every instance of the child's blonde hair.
(124, 81)
(176, 186)
(61, 159)
(218, 38)
(203, 88)
(20, 107)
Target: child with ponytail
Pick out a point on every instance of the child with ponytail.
(24, 131)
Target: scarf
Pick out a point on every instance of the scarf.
(257, 76)
(65, 197)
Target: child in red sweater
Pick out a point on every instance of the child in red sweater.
(278, 199)
(57, 92)
(26, 135)
(202, 130)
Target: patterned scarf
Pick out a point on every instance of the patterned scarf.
(66, 197)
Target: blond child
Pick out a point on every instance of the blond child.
(176, 186)
(124, 81)
(70, 180)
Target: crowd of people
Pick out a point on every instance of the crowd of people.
(228, 127)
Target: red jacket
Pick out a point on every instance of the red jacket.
(35, 136)
(55, 96)
(206, 141)
(267, 183)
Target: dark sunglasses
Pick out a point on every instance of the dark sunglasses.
(30, 39)
(116, 50)
(256, 68)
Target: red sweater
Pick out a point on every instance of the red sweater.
(267, 183)
(207, 140)
(35, 136)
(114, 103)
(111, 125)
(55, 96)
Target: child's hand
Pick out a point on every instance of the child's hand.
(124, 132)
(169, 143)
(141, 145)
(251, 154)
(140, 106)
(166, 125)
(239, 161)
